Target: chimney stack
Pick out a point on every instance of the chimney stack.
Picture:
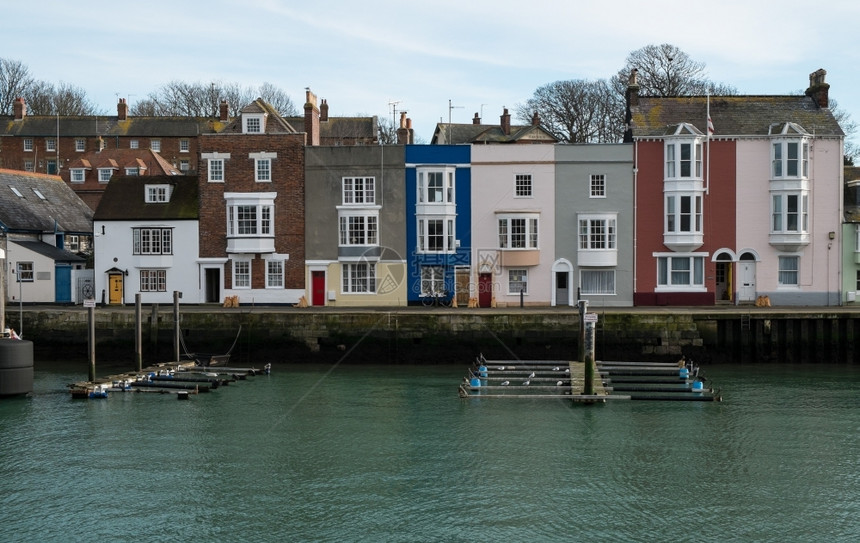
(20, 108)
(818, 90)
(324, 111)
(122, 110)
(476, 119)
(404, 133)
(506, 122)
(312, 119)
(535, 119)
(223, 111)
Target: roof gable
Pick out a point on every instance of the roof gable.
(54, 208)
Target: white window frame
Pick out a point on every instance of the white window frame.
(432, 281)
(597, 185)
(675, 216)
(518, 278)
(358, 229)
(134, 144)
(152, 241)
(132, 171)
(80, 145)
(157, 194)
(358, 277)
(51, 145)
(184, 145)
(184, 165)
(597, 282)
(785, 271)
(447, 236)
(155, 145)
(436, 186)
(28, 144)
(274, 273)
(105, 174)
(25, 272)
(77, 175)
(789, 158)
(29, 166)
(253, 123)
(671, 269)
(250, 220)
(241, 274)
(598, 232)
(263, 170)
(358, 190)
(681, 165)
(523, 185)
(781, 215)
(518, 231)
(215, 170)
(154, 280)
(72, 243)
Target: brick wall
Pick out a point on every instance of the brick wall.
(287, 181)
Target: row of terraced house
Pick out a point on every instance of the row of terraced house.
(709, 200)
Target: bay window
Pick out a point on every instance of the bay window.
(519, 231)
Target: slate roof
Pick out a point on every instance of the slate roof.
(451, 133)
(145, 159)
(107, 126)
(48, 250)
(60, 210)
(124, 199)
(340, 128)
(657, 116)
(275, 124)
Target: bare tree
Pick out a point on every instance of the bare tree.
(665, 70)
(577, 111)
(43, 98)
(387, 130)
(14, 79)
(849, 127)
(204, 99)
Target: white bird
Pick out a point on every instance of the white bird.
(555, 368)
(501, 368)
(532, 375)
(567, 370)
(558, 384)
(526, 382)
(505, 383)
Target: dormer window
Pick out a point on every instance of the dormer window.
(157, 194)
(77, 175)
(253, 123)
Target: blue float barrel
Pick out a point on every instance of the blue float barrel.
(474, 382)
(16, 367)
(684, 373)
(482, 369)
(698, 386)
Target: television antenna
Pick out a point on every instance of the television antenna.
(392, 104)
(451, 107)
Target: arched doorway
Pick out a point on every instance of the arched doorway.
(562, 282)
(724, 280)
(746, 277)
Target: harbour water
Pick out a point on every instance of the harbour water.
(390, 453)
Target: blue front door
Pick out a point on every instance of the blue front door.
(63, 283)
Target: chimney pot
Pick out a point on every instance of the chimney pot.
(506, 122)
(312, 119)
(476, 119)
(122, 110)
(20, 108)
(223, 111)
(819, 90)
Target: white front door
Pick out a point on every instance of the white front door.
(746, 288)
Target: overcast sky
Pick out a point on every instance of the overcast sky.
(482, 55)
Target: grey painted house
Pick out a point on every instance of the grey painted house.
(594, 223)
(355, 242)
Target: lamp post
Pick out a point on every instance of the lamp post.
(20, 301)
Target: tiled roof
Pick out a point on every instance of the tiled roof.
(451, 133)
(125, 199)
(45, 249)
(731, 115)
(275, 124)
(102, 125)
(340, 128)
(60, 210)
(145, 159)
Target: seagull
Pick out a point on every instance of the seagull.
(505, 383)
(555, 368)
(532, 375)
(567, 370)
(501, 368)
(526, 382)
(558, 384)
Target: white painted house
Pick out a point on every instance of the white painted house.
(146, 240)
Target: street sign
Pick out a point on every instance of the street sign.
(590, 317)
(89, 303)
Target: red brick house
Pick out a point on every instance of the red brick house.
(252, 214)
(48, 144)
(89, 173)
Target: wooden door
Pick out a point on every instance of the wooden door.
(115, 289)
(485, 290)
(317, 288)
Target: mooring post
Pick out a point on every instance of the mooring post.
(586, 348)
(91, 335)
(176, 296)
(138, 332)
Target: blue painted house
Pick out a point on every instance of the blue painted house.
(438, 222)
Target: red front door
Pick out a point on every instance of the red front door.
(317, 288)
(485, 290)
